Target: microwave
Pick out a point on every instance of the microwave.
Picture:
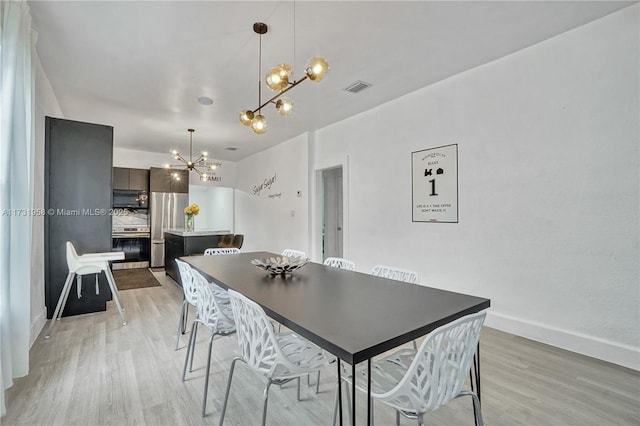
(130, 199)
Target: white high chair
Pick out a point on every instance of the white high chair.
(89, 263)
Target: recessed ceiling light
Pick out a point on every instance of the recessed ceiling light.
(203, 100)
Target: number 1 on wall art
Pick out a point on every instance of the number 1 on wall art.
(430, 168)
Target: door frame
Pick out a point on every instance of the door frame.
(318, 207)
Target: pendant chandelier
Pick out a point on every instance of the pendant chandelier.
(190, 164)
(279, 79)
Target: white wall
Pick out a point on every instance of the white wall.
(276, 218)
(548, 187)
(46, 104)
(216, 207)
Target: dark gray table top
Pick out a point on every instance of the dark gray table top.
(354, 316)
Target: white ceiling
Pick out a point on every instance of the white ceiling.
(140, 66)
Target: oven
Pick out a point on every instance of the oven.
(135, 242)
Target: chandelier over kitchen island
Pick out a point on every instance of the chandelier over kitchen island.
(190, 164)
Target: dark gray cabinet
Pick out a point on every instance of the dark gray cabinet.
(161, 180)
(78, 190)
(173, 249)
(120, 178)
(139, 179)
(130, 179)
(181, 185)
(176, 246)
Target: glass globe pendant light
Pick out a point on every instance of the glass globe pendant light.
(246, 117)
(259, 124)
(316, 68)
(284, 106)
(279, 79)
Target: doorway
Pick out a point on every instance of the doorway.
(332, 213)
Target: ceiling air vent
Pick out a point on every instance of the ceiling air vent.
(231, 148)
(357, 86)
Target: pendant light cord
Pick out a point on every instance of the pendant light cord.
(260, 75)
(294, 38)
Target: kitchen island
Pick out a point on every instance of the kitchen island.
(180, 242)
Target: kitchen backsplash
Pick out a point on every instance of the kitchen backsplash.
(130, 217)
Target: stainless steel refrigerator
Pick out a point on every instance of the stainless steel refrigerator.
(167, 212)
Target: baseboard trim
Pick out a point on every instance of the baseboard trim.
(616, 353)
(38, 324)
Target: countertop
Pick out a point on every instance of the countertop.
(181, 232)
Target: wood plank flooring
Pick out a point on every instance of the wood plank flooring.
(93, 371)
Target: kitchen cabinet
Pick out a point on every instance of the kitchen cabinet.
(173, 249)
(178, 243)
(181, 185)
(77, 197)
(161, 180)
(139, 179)
(120, 178)
(130, 179)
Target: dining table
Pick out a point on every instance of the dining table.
(354, 316)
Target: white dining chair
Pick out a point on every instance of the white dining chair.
(219, 251)
(293, 253)
(278, 357)
(340, 263)
(190, 296)
(398, 274)
(88, 263)
(300, 254)
(219, 291)
(216, 317)
(417, 382)
(393, 273)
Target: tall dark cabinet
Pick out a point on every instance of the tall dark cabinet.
(78, 191)
(160, 180)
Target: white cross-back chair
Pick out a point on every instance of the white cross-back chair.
(216, 316)
(89, 263)
(415, 383)
(219, 251)
(294, 253)
(190, 296)
(338, 262)
(278, 357)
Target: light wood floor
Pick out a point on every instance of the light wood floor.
(93, 371)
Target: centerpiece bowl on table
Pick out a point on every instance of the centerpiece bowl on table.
(280, 265)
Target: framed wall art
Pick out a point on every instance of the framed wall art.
(434, 186)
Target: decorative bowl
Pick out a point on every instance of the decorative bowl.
(280, 265)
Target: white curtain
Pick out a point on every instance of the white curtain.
(16, 188)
